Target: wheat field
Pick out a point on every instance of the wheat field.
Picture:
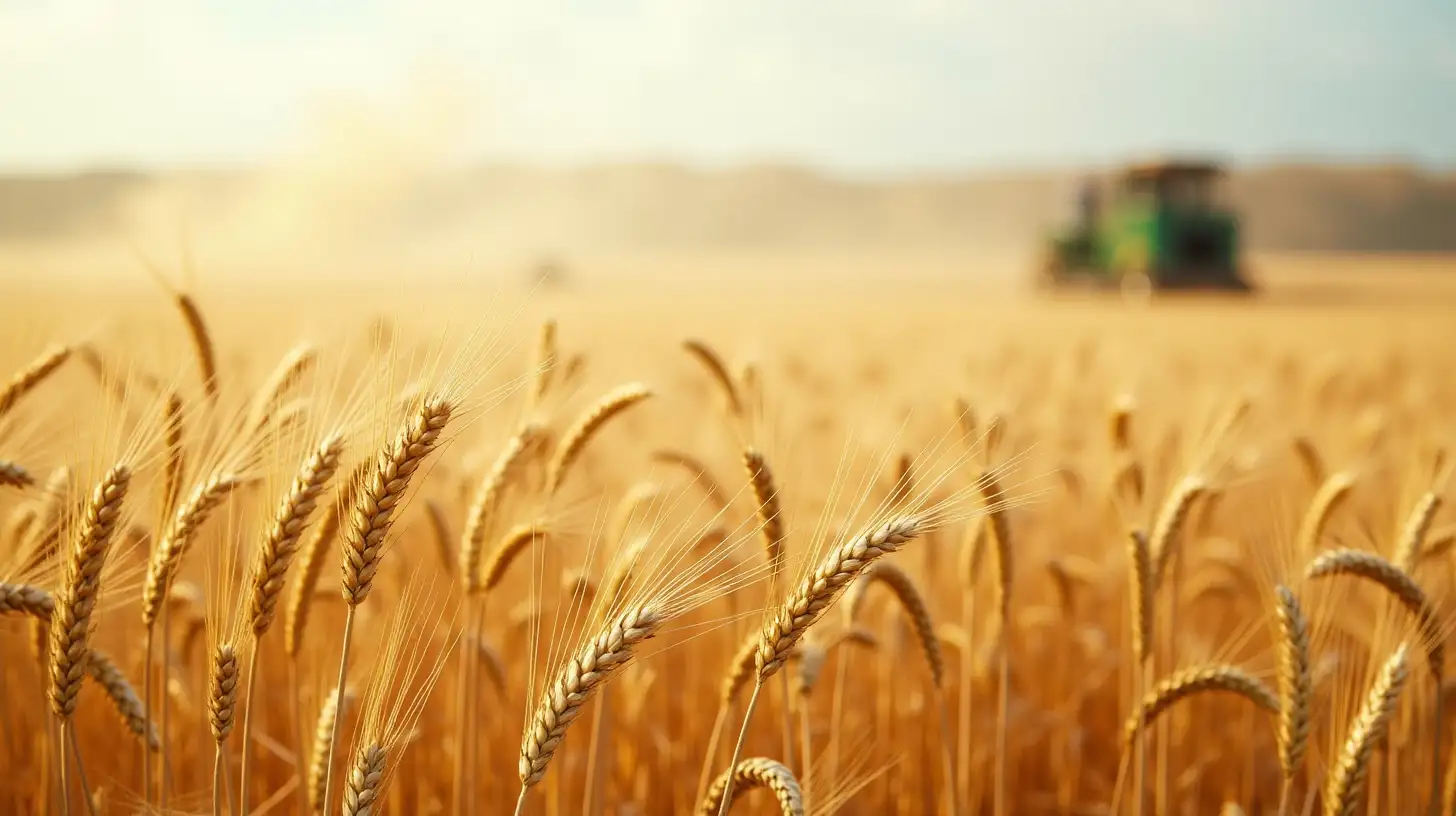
(893, 549)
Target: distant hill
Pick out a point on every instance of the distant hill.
(647, 206)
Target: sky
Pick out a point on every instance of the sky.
(891, 86)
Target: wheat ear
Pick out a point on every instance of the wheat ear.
(702, 475)
(201, 343)
(223, 691)
(903, 586)
(26, 379)
(587, 426)
(1296, 688)
(379, 494)
(756, 772)
(546, 354)
(1310, 460)
(1169, 523)
(913, 603)
(366, 781)
(47, 536)
(123, 696)
(809, 600)
(586, 671)
(770, 516)
(310, 564)
(1398, 583)
(71, 620)
(294, 366)
(1197, 680)
(1143, 582)
(1331, 493)
(376, 494)
(279, 546)
(173, 546)
(714, 365)
(512, 544)
(24, 599)
(488, 498)
(1346, 787)
(270, 568)
(1412, 539)
(175, 467)
(318, 760)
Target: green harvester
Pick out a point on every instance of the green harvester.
(1163, 229)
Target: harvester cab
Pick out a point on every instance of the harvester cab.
(1165, 227)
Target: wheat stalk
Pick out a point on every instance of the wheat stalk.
(1346, 787)
(756, 772)
(26, 379)
(587, 426)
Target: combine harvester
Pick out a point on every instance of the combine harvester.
(1163, 230)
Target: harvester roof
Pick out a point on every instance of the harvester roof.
(1155, 171)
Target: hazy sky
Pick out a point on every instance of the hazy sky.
(853, 85)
